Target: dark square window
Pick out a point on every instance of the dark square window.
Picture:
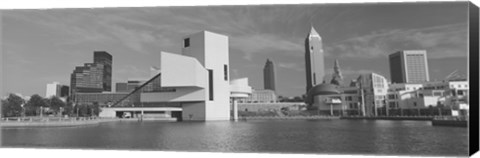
(186, 42)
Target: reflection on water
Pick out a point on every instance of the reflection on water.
(291, 136)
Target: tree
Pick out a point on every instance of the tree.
(33, 105)
(56, 103)
(12, 106)
(68, 109)
(95, 108)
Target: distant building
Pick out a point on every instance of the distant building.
(195, 82)
(87, 78)
(121, 87)
(102, 57)
(405, 97)
(337, 78)
(56, 89)
(314, 59)
(269, 78)
(409, 66)
(107, 98)
(260, 96)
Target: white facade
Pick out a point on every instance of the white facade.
(428, 94)
(260, 96)
(199, 76)
(53, 89)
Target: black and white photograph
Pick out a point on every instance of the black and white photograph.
(352, 79)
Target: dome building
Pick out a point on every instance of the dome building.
(326, 98)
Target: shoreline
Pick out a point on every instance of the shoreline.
(399, 118)
(65, 123)
(288, 118)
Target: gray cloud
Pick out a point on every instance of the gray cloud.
(440, 42)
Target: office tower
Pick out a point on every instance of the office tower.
(409, 66)
(269, 79)
(87, 78)
(64, 91)
(337, 78)
(56, 89)
(314, 62)
(102, 57)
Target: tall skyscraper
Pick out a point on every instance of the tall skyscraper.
(102, 57)
(337, 78)
(269, 81)
(314, 62)
(409, 66)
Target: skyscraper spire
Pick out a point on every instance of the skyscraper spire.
(314, 60)
(337, 74)
(314, 33)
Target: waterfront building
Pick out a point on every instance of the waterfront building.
(104, 58)
(260, 96)
(330, 99)
(409, 66)
(92, 77)
(269, 78)
(314, 59)
(373, 90)
(87, 78)
(418, 98)
(56, 89)
(239, 89)
(194, 85)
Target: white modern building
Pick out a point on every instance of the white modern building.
(446, 94)
(197, 80)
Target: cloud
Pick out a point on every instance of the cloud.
(264, 43)
(439, 41)
(129, 71)
(292, 66)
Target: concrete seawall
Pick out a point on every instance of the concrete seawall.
(410, 118)
(289, 118)
(65, 123)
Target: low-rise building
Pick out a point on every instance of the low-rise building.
(260, 96)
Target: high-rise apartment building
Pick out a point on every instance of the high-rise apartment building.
(409, 66)
(102, 57)
(269, 78)
(314, 62)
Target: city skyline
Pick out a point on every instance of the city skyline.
(352, 33)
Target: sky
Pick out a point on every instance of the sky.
(40, 46)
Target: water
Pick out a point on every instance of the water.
(259, 136)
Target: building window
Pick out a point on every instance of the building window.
(210, 84)
(186, 42)
(314, 79)
(225, 72)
